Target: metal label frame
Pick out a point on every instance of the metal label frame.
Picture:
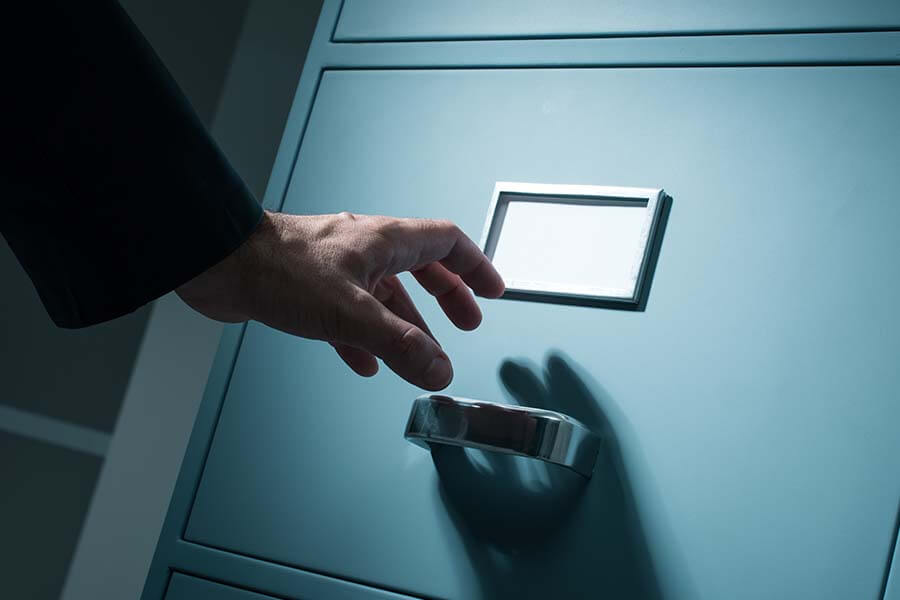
(653, 200)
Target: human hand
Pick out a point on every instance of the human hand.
(334, 278)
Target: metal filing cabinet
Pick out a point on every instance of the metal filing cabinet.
(748, 408)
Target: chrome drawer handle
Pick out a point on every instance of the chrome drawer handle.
(536, 433)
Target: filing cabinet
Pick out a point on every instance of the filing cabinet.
(748, 410)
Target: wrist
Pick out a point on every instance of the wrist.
(227, 291)
(254, 263)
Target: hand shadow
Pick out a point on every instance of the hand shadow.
(536, 530)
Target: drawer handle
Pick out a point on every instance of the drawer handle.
(536, 433)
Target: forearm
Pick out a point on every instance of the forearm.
(115, 194)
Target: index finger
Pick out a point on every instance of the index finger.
(423, 241)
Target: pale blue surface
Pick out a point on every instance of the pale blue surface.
(185, 587)
(755, 400)
(467, 19)
(706, 50)
(892, 589)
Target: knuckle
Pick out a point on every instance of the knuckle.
(378, 248)
(352, 258)
(331, 321)
(356, 300)
(382, 224)
(447, 225)
(346, 315)
(356, 250)
(409, 343)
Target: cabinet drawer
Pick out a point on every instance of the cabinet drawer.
(364, 20)
(185, 587)
(754, 401)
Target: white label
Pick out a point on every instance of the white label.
(589, 249)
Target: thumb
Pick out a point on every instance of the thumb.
(405, 348)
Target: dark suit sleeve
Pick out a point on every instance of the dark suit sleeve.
(112, 191)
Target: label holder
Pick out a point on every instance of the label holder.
(645, 215)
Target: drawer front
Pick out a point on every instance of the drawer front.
(892, 588)
(753, 403)
(363, 20)
(185, 587)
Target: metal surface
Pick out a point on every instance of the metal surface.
(725, 401)
(730, 386)
(412, 20)
(542, 434)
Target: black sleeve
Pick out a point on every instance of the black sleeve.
(112, 191)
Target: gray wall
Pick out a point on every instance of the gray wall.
(196, 41)
(77, 376)
(46, 490)
(53, 380)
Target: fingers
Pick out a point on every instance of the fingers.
(425, 241)
(483, 278)
(452, 295)
(404, 347)
(390, 292)
(362, 362)
(385, 323)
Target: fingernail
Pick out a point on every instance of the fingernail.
(438, 373)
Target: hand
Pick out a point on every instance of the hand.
(334, 278)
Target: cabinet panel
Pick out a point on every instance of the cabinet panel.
(362, 20)
(185, 587)
(892, 585)
(752, 406)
